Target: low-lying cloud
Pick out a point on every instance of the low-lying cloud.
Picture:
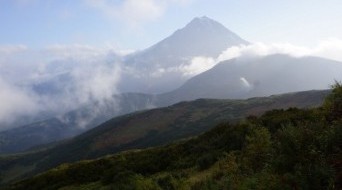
(197, 65)
(15, 102)
(10, 49)
(330, 49)
(245, 83)
(55, 80)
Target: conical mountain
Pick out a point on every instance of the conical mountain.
(161, 62)
(201, 37)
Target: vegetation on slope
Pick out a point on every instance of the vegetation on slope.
(282, 149)
(149, 128)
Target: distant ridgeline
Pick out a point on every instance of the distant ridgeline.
(282, 149)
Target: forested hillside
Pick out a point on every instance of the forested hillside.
(282, 149)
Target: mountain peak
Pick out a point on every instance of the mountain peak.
(202, 18)
(204, 21)
(203, 36)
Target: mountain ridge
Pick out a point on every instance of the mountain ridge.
(258, 77)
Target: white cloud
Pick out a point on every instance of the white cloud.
(15, 102)
(158, 72)
(96, 82)
(64, 58)
(83, 52)
(134, 12)
(89, 84)
(197, 65)
(94, 74)
(75, 51)
(245, 83)
(87, 74)
(11, 49)
(262, 49)
(330, 49)
(16, 62)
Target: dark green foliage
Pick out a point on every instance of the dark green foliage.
(206, 184)
(205, 161)
(300, 156)
(333, 103)
(167, 182)
(276, 119)
(257, 150)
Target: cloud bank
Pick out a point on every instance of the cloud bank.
(15, 102)
(10, 49)
(55, 80)
(197, 65)
(330, 49)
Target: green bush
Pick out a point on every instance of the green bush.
(333, 103)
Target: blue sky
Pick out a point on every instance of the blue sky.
(137, 24)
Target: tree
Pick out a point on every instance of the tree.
(258, 147)
(333, 103)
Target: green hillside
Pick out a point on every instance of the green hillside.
(282, 149)
(149, 128)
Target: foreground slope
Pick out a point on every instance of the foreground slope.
(150, 128)
(283, 149)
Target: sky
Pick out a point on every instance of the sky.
(138, 24)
